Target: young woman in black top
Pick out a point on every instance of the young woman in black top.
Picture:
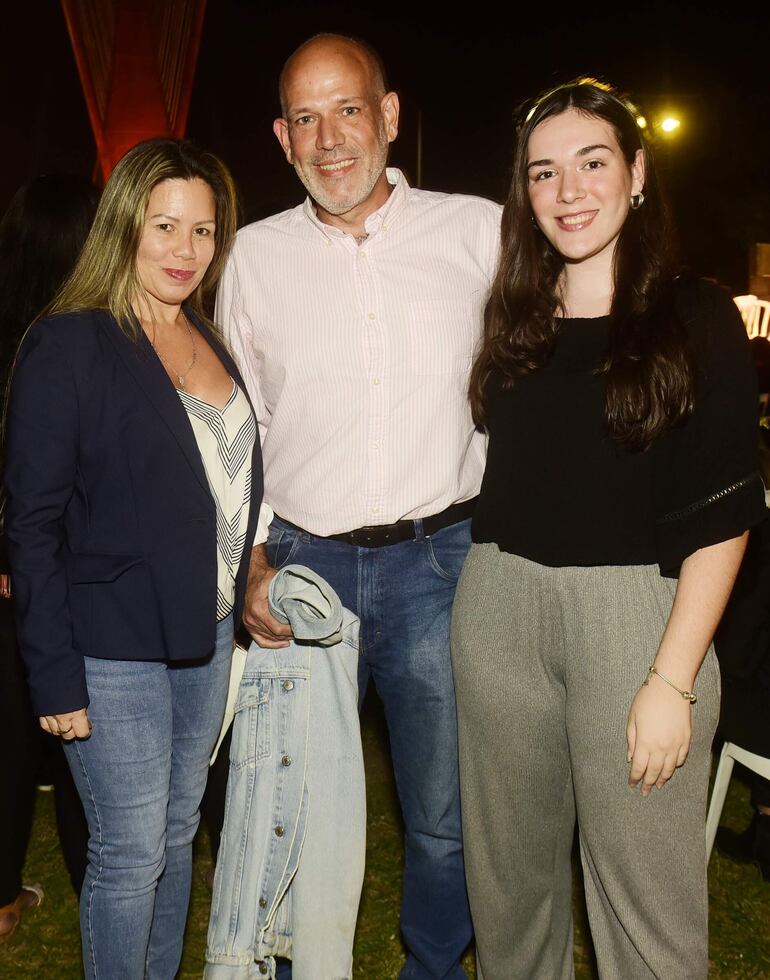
(620, 404)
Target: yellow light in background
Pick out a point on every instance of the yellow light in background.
(641, 122)
(670, 124)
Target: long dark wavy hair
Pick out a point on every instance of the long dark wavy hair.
(648, 365)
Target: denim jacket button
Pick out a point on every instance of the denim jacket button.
(286, 760)
(278, 831)
(262, 903)
(288, 685)
(263, 968)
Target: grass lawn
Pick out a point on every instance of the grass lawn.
(47, 942)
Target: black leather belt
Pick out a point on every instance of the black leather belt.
(381, 535)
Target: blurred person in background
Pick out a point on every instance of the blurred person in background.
(41, 235)
(742, 644)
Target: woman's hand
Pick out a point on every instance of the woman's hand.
(5, 586)
(658, 732)
(73, 724)
(659, 723)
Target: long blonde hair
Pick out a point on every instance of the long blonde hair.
(105, 275)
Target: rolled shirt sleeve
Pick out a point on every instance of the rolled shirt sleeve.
(263, 525)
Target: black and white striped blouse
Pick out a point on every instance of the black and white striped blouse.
(225, 439)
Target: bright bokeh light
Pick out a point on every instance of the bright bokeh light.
(641, 122)
(670, 124)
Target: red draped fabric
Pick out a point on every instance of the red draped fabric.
(136, 61)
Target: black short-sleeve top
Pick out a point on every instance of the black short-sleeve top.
(559, 491)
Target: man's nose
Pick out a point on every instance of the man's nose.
(328, 134)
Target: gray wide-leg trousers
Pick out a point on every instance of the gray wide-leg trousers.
(546, 663)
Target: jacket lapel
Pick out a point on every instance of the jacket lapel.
(146, 368)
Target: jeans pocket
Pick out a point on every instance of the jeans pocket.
(447, 550)
(281, 545)
(251, 727)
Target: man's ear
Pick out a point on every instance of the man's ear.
(389, 107)
(281, 130)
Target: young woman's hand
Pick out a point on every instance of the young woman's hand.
(659, 722)
(658, 732)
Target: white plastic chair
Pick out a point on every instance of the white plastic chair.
(756, 316)
(743, 301)
(731, 753)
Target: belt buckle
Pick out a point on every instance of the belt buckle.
(377, 535)
(370, 533)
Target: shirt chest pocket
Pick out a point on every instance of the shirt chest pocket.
(251, 743)
(442, 335)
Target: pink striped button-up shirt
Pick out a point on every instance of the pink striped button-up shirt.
(357, 357)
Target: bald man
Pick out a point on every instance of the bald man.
(354, 317)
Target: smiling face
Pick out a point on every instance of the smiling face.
(177, 243)
(580, 186)
(337, 127)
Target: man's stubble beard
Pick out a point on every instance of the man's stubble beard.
(333, 205)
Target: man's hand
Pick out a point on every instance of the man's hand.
(264, 628)
(5, 586)
(73, 724)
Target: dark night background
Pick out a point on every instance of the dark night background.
(465, 72)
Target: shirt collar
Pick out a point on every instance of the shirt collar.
(379, 219)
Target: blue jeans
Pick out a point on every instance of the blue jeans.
(403, 596)
(141, 776)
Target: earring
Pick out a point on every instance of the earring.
(637, 201)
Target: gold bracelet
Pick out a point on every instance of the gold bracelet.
(687, 695)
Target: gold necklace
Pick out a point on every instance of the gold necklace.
(181, 376)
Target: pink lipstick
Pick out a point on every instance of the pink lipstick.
(181, 275)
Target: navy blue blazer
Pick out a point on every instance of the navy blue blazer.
(110, 522)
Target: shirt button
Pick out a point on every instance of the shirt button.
(375, 445)
(286, 760)
(376, 381)
(278, 831)
(375, 510)
(263, 903)
(288, 685)
(372, 316)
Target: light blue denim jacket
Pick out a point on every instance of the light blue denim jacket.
(291, 862)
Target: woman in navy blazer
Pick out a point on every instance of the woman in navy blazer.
(133, 475)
